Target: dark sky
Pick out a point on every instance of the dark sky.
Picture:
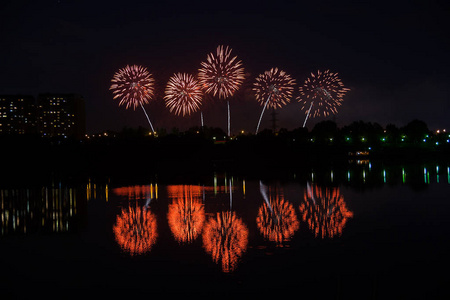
(394, 55)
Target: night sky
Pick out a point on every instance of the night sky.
(394, 55)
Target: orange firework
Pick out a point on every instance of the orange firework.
(186, 214)
(273, 88)
(325, 211)
(183, 94)
(322, 93)
(225, 237)
(277, 220)
(221, 74)
(136, 230)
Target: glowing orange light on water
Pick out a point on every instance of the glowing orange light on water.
(136, 230)
(186, 213)
(225, 238)
(325, 211)
(277, 220)
(136, 192)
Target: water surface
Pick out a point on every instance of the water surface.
(366, 231)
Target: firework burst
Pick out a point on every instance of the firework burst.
(273, 88)
(221, 74)
(133, 85)
(183, 94)
(322, 94)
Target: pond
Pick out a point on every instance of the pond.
(361, 230)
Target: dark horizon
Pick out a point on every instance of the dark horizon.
(393, 56)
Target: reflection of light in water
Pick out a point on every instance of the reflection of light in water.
(276, 219)
(27, 210)
(138, 192)
(135, 230)
(225, 237)
(186, 213)
(325, 211)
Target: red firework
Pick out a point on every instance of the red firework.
(183, 94)
(322, 93)
(133, 85)
(274, 87)
(221, 74)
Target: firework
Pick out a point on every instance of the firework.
(222, 75)
(183, 94)
(273, 88)
(325, 211)
(321, 94)
(134, 86)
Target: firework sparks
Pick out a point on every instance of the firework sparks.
(325, 211)
(221, 75)
(183, 94)
(273, 88)
(134, 86)
(321, 94)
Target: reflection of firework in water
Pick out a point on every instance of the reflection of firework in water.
(325, 211)
(133, 85)
(135, 230)
(276, 220)
(186, 213)
(183, 94)
(221, 74)
(322, 93)
(225, 238)
(274, 89)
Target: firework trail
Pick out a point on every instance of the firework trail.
(222, 75)
(134, 86)
(322, 93)
(183, 94)
(273, 88)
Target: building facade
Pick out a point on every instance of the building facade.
(61, 115)
(17, 115)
